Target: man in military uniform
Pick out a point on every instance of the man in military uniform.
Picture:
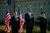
(43, 22)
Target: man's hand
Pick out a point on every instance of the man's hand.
(31, 16)
(39, 17)
(17, 19)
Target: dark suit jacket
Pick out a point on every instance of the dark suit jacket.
(15, 24)
(29, 21)
(43, 22)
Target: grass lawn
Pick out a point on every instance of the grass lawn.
(35, 30)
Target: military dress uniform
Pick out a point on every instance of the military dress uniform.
(43, 22)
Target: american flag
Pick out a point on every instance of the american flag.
(21, 21)
(7, 19)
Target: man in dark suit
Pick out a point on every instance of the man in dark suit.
(29, 18)
(43, 22)
(15, 20)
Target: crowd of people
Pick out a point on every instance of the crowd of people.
(29, 21)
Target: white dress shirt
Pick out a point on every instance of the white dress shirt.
(16, 17)
(29, 13)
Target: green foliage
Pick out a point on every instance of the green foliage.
(35, 30)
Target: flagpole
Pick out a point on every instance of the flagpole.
(19, 10)
(30, 7)
(41, 9)
(14, 5)
(6, 9)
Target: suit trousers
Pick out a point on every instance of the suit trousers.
(15, 30)
(43, 29)
(29, 29)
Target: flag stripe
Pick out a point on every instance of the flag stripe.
(7, 20)
(7, 17)
(7, 14)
